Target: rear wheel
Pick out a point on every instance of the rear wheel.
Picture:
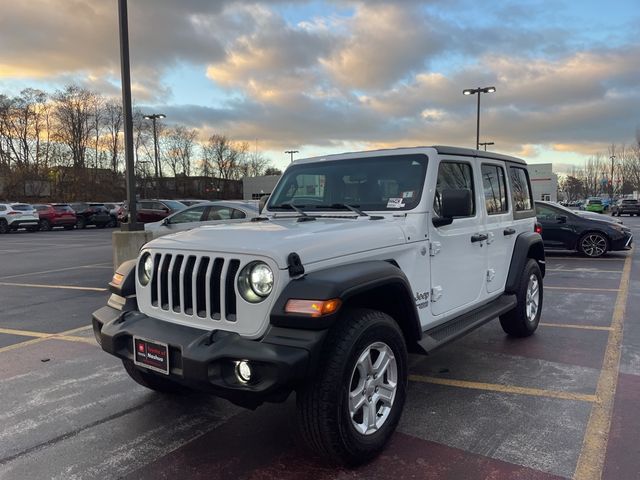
(45, 226)
(82, 223)
(523, 320)
(152, 381)
(593, 244)
(349, 410)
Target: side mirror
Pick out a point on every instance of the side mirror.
(263, 202)
(561, 218)
(165, 221)
(455, 203)
(165, 209)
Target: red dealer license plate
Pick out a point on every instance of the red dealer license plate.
(150, 354)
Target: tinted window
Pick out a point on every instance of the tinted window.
(173, 205)
(626, 202)
(62, 208)
(495, 189)
(21, 207)
(453, 175)
(147, 205)
(520, 190)
(219, 213)
(237, 214)
(543, 212)
(190, 215)
(41, 208)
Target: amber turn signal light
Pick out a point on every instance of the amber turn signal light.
(313, 308)
(117, 278)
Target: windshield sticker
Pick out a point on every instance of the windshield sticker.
(395, 203)
(408, 194)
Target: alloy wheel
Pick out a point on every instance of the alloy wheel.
(533, 298)
(372, 389)
(594, 245)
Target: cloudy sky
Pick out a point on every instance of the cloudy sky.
(325, 77)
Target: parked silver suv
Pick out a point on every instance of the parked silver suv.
(18, 215)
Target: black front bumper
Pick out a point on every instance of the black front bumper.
(206, 360)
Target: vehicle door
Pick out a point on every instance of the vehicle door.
(557, 231)
(498, 215)
(458, 256)
(224, 214)
(145, 212)
(183, 220)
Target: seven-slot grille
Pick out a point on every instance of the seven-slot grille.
(195, 285)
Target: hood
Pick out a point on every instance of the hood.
(313, 240)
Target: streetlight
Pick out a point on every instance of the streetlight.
(478, 91)
(291, 152)
(485, 144)
(153, 117)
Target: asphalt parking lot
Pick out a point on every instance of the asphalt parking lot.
(561, 404)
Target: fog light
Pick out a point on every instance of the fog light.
(243, 371)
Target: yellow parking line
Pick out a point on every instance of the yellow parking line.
(582, 327)
(583, 288)
(591, 461)
(63, 287)
(582, 270)
(496, 387)
(42, 336)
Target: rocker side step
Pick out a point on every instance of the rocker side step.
(459, 326)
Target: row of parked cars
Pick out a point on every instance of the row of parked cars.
(159, 216)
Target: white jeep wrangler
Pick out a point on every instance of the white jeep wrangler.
(356, 259)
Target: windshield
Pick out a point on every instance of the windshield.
(22, 207)
(391, 182)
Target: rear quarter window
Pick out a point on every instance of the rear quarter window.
(521, 197)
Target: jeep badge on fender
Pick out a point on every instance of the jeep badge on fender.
(324, 292)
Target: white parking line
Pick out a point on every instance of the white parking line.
(94, 265)
(59, 287)
(582, 270)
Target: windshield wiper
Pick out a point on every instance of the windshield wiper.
(353, 208)
(298, 209)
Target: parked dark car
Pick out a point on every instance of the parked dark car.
(626, 206)
(56, 215)
(91, 214)
(563, 229)
(153, 210)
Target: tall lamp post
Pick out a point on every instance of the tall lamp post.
(123, 27)
(291, 152)
(485, 144)
(154, 117)
(478, 91)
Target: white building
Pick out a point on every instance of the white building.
(544, 182)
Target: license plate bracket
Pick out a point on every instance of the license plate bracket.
(151, 354)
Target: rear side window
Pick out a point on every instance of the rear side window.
(520, 189)
(453, 175)
(21, 207)
(495, 189)
(62, 208)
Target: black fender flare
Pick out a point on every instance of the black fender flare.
(351, 283)
(528, 245)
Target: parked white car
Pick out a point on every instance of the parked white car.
(207, 213)
(18, 215)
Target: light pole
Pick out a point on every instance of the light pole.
(291, 152)
(123, 27)
(478, 91)
(485, 144)
(154, 117)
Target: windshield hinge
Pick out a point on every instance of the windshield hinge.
(434, 248)
(436, 293)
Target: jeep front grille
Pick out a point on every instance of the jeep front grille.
(195, 285)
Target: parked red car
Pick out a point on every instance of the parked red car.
(56, 215)
(152, 210)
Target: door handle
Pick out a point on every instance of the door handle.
(479, 237)
(509, 231)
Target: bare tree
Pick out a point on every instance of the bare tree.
(113, 125)
(180, 145)
(225, 156)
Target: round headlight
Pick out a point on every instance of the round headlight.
(255, 282)
(146, 262)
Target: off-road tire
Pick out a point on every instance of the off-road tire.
(45, 225)
(4, 226)
(154, 382)
(324, 421)
(516, 322)
(584, 250)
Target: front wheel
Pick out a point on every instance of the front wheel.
(45, 226)
(593, 244)
(523, 320)
(349, 410)
(4, 227)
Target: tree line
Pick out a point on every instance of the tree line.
(69, 144)
(614, 174)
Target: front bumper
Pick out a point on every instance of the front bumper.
(205, 360)
(24, 222)
(622, 242)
